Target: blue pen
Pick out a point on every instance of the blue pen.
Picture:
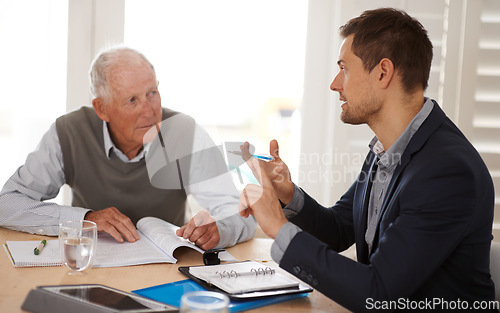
(265, 157)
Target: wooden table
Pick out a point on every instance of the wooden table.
(16, 282)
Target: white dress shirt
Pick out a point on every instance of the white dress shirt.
(23, 203)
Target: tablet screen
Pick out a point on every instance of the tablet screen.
(105, 297)
(110, 298)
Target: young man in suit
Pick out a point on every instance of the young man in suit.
(421, 210)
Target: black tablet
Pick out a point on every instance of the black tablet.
(90, 298)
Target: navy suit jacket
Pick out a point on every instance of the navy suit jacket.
(433, 235)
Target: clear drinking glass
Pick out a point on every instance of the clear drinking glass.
(204, 302)
(77, 242)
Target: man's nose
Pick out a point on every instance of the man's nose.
(336, 84)
(147, 108)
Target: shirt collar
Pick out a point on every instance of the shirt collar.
(109, 147)
(390, 158)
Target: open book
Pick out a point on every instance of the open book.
(157, 244)
(243, 277)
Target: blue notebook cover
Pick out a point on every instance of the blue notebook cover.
(171, 293)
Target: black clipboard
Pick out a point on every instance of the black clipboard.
(302, 288)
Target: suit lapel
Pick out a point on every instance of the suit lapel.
(362, 201)
(429, 126)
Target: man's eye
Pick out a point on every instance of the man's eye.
(131, 100)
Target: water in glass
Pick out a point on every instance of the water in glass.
(77, 240)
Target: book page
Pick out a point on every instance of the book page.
(162, 233)
(243, 277)
(110, 253)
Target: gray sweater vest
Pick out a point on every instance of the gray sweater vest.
(98, 182)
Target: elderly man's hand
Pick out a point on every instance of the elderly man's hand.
(113, 222)
(202, 230)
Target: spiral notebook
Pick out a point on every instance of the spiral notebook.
(244, 278)
(21, 253)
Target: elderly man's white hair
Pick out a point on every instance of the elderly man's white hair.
(101, 63)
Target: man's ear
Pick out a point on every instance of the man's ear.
(386, 72)
(101, 109)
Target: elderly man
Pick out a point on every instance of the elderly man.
(101, 154)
